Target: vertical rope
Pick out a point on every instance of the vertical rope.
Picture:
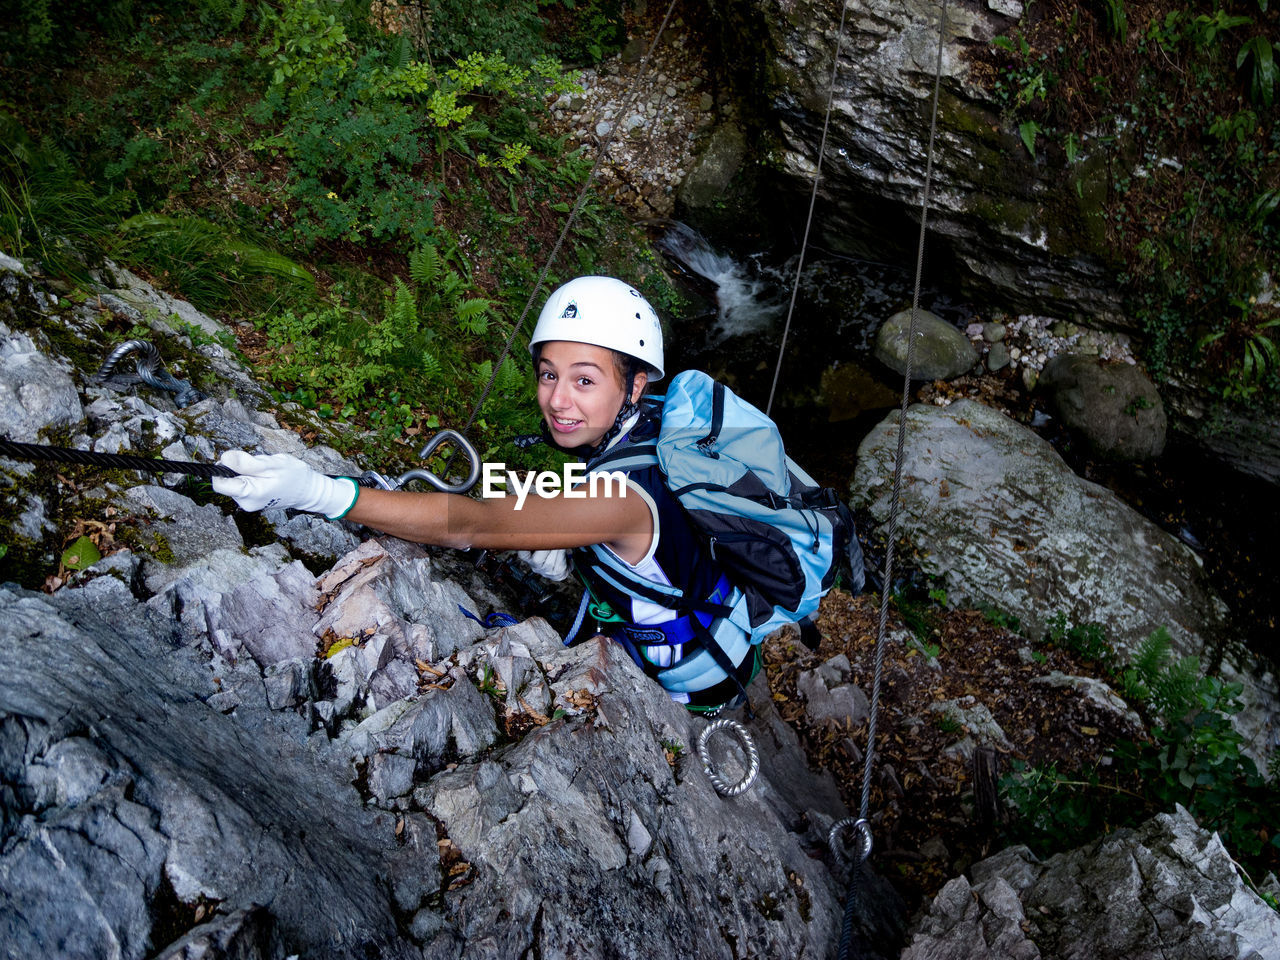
(846, 932)
(813, 198)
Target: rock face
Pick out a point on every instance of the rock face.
(207, 751)
(1248, 439)
(1166, 889)
(992, 510)
(1012, 226)
(1114, 407)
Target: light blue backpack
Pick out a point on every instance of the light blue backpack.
(777, 535)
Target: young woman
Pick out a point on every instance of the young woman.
(596, 347)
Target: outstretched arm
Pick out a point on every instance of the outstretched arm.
(623, 522)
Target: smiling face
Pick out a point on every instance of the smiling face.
(580, 391)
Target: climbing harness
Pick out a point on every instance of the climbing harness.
(151, 371)
(862, 825)
(704, 754)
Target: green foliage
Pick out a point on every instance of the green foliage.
(1192, 757)
(1174, 113)
(206, 264)
(46, 211)
(1257, 62)
(1002, 619)
(358, 128)
(1115, 19)
(1088, 640)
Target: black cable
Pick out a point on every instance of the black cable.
(121, 461)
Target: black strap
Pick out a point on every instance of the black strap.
(671, 602)
(717, 421)
(723, 662)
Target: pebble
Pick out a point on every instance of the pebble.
(993, 332)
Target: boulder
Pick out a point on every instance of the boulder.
(1245, 437)
(941, 351)
(36, 391)
(991, 510)
(119, 780)
(1114, 407)
(1166, 889)
(717, 165)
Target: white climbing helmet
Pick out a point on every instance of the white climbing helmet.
(606, 313)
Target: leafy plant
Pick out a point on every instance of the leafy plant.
(1256, 60)
(46, 211)
(205, 262)
(1089, 640)
(1192, 757)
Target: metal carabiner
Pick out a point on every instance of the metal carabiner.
(418, 473)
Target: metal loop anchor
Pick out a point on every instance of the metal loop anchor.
(839, 850)
(753, 756)
(418, 473)
(150, 370)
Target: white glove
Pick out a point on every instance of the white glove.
(552, 564)
(280, 480)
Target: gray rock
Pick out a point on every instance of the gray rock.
(715, 167)
(992, 511)
(993, 332)
(288, 683)
(941, 351)
(1245, 437)
(36, 392)
(1096, 692)
(997, 357)
(439, 726)
(1115, 408)
(390, 775)
(391, 586)
(829, 698)
(167, 791)
(586, 790)
(194, 595)
(975, 719)
(248, 934)
(988, 208)
(1165, 889)
(173, 521)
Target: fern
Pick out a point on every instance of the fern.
(1173, 692)
(1152, 654)
(425, 265)
(430, 364)
(472, 315)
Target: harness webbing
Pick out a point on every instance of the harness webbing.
(846, 932)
